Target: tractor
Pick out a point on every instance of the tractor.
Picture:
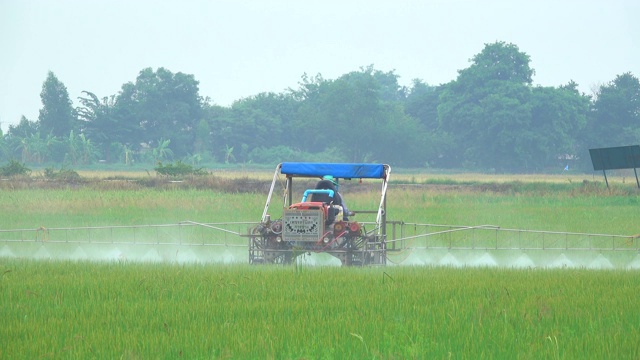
(316, 221)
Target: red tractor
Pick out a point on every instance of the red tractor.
(320, 222)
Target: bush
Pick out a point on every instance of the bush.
(178, 169)
(14, 168)
(62, 175)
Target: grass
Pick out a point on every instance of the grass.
(576, 209)
(554, 211)
(86, 207)
(83, 310)
(125, 310)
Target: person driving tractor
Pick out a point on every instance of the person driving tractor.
(339, 200)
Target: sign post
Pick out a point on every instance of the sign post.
(621, 157)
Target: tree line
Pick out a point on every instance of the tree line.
(490, 118)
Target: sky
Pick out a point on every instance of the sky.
(240, 48)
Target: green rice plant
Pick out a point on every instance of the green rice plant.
(553, 211)
(84, 207)
(132, 310)
(611, 214)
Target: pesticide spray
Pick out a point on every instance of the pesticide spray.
(415, 245)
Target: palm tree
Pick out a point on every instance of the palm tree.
(87, 150)
(4, 147)
(24, 148)
(49, 143)
(31, 148)
(128, 155)
(228, 154)
(162, 151)
(72, 147)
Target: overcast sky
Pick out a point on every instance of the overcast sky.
(237, 49)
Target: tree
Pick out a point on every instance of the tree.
(486, 110)
(163, 105)
(202, 143)
(347, 108)
(228, 154)
(422, 104)
(25, 127)
(615, 116)
(162, 151)
(309, 128)
(31, 148)
(87, 150)
(497, 62)
(360, 114)
(558, 117)
(57, 115)
(4, 147)
(260, 121)
(73, 148)
(103, 122)
(404, 141)
(387, 87)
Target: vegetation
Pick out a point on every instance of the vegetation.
(127, 310)
(14, 168)
(57, 116)
(66, 175)
(178, 169)
(577, 206)
(76, 309)
(491, 118)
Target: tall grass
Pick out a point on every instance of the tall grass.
(574, 211)
(86, 207)
(122, 310)
(554, 211)
(131, 310)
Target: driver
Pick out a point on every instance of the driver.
(339, 198)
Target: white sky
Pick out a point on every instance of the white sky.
(236, 48)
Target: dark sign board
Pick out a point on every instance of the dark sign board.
(621, 157)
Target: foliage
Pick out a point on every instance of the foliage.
(360, 114)
(490, 119)
(203, 141)
(4, 147)
(558, 115)
(79, 149)
(488, 109)
(615, 114)
(103, 120)
(163, 105)
(24, 128)
(161, 151)
(65, 175)
(465, 313)
(57, 115)
(14, 168)
(178, 169)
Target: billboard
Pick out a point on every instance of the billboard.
(621, 157)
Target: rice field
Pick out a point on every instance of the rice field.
(574, 209)
(130, 310)
(83, 310)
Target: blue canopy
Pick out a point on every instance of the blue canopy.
(338, 170)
